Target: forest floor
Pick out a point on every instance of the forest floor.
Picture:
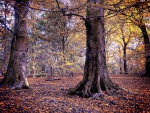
(49, 96)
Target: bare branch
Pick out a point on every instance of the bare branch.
(5, 26)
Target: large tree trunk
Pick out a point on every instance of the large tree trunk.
(96, 76)
(16, 71)
(147, 50)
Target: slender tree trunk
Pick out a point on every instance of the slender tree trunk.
(51, 71)
(64, 59)
(147, 50)
(64, 47)
(120, 62)
(124, 45)
(96, 76)
(124, 58)
(16, 71)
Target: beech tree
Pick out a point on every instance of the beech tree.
(124, 42)
(96, 76)
(138, 20)
(15, 75)
(147, 49)
(135, 12)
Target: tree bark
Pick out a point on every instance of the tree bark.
(120, 62)
(147, 50)
(96, 76)
(124, 58)
(124, 46)
(15, 75)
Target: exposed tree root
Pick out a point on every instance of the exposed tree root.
(146, 74)
(15, 83)
(91, 89)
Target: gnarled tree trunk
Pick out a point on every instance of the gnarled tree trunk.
(16, 71)
(96, 76)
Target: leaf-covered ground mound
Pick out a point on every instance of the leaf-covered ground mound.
(49, 96)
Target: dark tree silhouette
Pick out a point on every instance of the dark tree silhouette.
(147, 49)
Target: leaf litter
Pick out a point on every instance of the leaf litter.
(50, 96)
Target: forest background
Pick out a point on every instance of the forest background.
(61, 38)
(57, 43)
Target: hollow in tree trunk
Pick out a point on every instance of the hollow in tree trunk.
(96, 76)
(15, 75)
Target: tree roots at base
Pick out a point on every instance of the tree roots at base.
(21, 84)
(83, 89)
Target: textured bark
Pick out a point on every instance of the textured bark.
(147, 50)
(96, 76)
(15, 75)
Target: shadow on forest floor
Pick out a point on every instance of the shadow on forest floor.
(49, 96)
